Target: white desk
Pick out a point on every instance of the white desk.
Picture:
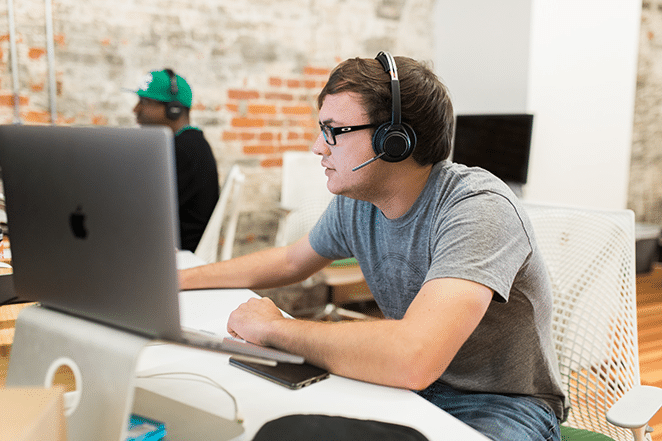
(259, 400)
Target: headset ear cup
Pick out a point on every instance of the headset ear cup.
(173, 110)
(394, 144)
(412, 137)
(378, 138)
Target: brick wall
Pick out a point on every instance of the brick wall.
(274, 117)
(255, 67)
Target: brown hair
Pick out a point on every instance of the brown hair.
(426, 104)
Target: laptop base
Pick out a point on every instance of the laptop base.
(102, 359)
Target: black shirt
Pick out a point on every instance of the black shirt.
(197, 185)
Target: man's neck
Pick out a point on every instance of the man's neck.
(403, 190)
(179, 124)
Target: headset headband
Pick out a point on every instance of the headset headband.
(174, 90)
(388, 63)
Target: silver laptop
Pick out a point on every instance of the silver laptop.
(92, 222)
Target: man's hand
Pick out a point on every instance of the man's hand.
(252, 320)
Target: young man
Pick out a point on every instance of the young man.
(165, 99)
(447, 251)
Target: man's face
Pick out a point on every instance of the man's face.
(350, 150)
(150, 112)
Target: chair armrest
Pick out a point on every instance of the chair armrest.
(636, 408)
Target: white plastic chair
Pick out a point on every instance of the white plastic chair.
(303, 196)
(231, 196)
(590, 257)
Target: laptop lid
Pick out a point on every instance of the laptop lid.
(92, 223)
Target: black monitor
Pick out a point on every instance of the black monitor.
(499, 143)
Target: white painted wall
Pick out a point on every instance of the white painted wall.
(570, 63)
(582, 84)
(482, 53)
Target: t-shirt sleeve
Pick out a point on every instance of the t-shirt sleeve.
(327, 236)
(481, 239)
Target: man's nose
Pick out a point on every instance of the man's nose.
(320, 147)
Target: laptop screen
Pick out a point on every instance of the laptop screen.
(92, 222)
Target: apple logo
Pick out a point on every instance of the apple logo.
(77, 223)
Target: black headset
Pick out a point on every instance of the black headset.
(394, 141)
(174, 108)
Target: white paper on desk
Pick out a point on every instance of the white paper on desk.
(186, 259)
(209, 310)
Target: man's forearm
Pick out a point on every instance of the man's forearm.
(258, 270)
(373, 351)
(263, 269)
(410, 353)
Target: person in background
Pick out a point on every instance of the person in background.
(448, 253)
(164, 98)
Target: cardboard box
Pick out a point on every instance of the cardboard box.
(32, 414)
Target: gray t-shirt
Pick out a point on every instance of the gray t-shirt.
(466, 224)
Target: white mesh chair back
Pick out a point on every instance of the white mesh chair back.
(590, 256)
(230, 197)
(304, 195)
(300, 220)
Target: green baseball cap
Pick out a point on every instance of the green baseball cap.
(159, 85)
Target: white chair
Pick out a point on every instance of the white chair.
(231, 196)
(304, 197)
(590, 257)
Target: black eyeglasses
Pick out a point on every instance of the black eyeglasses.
(330, 133)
